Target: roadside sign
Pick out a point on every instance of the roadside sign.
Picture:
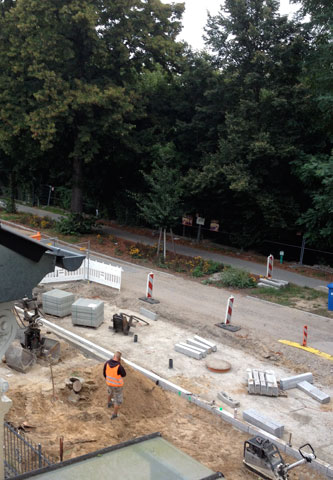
(214, 225)
(200, 221)
(187, 220)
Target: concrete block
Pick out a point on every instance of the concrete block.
(250, 381)
(267, 424)
(274, 283)
(272, 388)
(314, 392)
(291, 382)
(188, 351)
(148, 314)
(228, 400)
(263, 385)
(293, 452)
(329, 472)
(262, 284)
(197, 349)
(206, 342)
(256, 381)
(196, 343)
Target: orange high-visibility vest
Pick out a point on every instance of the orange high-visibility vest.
(112, 377)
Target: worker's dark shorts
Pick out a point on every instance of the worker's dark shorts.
(117, 394)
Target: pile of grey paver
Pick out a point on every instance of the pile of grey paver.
(262, 382)
(88, 312)
(196, 347)
(57, 302)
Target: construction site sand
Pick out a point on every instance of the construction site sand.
(86, 425)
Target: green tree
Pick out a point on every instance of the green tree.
(161, 205)
(317, 174)
(70, 69)
(260, 55)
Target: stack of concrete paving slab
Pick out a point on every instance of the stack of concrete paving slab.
(196, 347)
(272, 283)
(262, 382)
(87, 312)
(57, 302)
(303, 382)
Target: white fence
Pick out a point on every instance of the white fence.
(92, 270)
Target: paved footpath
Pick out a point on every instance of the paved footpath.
(252, 267)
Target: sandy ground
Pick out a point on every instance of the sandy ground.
(194, 308)
(86, 426)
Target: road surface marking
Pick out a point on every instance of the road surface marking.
(308, 349)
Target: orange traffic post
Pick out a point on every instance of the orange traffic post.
(305, 335)
(36, 236)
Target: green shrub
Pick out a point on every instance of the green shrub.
(233, 277)
(197, 271)
(75, 224)
(214, 267)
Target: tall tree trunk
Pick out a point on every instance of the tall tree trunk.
(11, 207)
(159, 242)
(77, 180)
(164, 244)
(173, 242)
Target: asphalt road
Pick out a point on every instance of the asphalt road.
(252, 267)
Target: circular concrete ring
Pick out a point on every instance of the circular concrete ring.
(218, 365)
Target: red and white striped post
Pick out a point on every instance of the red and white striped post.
(270, 261)
(150, 284)
(228, 312)
(305, 336)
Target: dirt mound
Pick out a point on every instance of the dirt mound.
(86, 419)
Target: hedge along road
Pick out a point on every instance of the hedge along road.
(252, 267)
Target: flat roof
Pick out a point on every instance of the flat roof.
(145, 458)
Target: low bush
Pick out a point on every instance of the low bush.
(233, 277)
(75, 224)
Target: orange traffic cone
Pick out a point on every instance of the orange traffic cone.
(37, 236)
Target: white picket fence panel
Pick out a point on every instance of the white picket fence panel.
(99, 272)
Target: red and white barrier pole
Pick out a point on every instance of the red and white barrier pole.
(150, 284)
(305, 336)
(228, 312)
(270, 261)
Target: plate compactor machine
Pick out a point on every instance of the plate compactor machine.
(264, 459)
(23, 353)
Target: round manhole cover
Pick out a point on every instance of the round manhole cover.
(218, 365)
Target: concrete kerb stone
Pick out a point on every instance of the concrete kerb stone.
(291, 382)
(224, 397)
(313, 392)
(264, 423)
(188, 351)
(103, 354)
(196, 343)
(192, 347)
(206, 342)
(262, 284)
(148, 314)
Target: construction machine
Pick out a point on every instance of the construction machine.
(263, 458)
(122, 322)
(24, 263)
(23, 355)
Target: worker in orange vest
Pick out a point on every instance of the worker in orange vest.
(114, 373)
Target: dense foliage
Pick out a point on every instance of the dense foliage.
(98, 98)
